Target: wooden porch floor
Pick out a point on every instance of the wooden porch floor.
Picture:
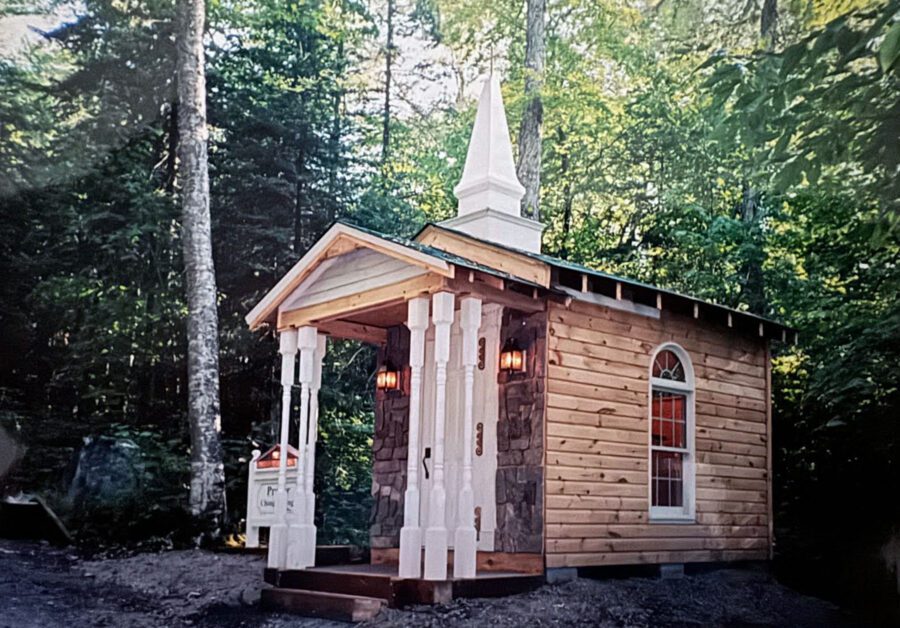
(340, 591)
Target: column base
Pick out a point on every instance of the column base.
(292, 559)
(278, 541)
(301, 552)
(436, 554)
(308, 545)
(464, 552)
(410, 552)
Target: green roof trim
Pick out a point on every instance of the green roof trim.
(571, 266)
(554, 262)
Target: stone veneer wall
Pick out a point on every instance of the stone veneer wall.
(389, 445)
(520, 439)
(520, 443)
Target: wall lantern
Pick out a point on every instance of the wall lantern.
(387, 377)
(512, 358)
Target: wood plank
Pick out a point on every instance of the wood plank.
(320, 604)
(488, 293)
(354, 331)
(600, 559)
(516, 264)
(727, 471)
(596, 419)
(595, 461)
(615, 379)
(605, 489)
(628, 326)
(741, 449)
(655, 544)
(685, 326)
(744, 484)
(570, 516)
(733, 460)
(579, 445)
(344, 306)
(730, 425)
(632, 337)
(593, 405)
(730, 436)
(578, 355)
(727, 494)
(596, 502)
(582, 474)
(652, 531)
(588, 432)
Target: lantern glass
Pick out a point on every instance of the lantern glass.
(387, 378)
(512, 358)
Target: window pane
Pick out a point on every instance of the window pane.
(668, 366)
(669, 420)
(667, 478)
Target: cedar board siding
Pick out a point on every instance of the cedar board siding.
(597, 488)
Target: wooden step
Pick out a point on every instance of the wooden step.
(346, 582)
(322, 604)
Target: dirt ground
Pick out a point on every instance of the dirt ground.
(43, 586)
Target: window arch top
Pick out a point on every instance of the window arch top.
(667, 365)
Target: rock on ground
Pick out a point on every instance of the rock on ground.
(44, 586)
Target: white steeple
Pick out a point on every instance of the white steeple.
(489, 192)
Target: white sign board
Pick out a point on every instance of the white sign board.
(262, 483)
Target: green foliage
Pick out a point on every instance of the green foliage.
(154, 516)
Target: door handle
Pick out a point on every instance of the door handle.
(425, 460)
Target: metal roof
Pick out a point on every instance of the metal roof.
(578, 268)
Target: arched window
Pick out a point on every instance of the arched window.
(671, 434)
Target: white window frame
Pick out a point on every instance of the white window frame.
(685, 513)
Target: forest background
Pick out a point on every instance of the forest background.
(742, 151)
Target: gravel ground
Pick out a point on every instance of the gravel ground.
(43, 586)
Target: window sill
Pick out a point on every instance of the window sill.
(672, 519)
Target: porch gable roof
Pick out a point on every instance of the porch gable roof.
(343, 237)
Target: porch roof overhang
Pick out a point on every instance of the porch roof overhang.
(440, 270)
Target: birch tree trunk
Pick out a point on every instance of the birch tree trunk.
(528, 167)
(207, 499)
(388, 78)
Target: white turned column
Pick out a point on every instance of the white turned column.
(465, 540)
(278, 533)
(313, 436)
(436, 533)
(300, 553)
(411, 532)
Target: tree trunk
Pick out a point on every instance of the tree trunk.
(768, 24)
(753, 285)
(207, 500)
(528, 167)
(568, 193)
(389, 59)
